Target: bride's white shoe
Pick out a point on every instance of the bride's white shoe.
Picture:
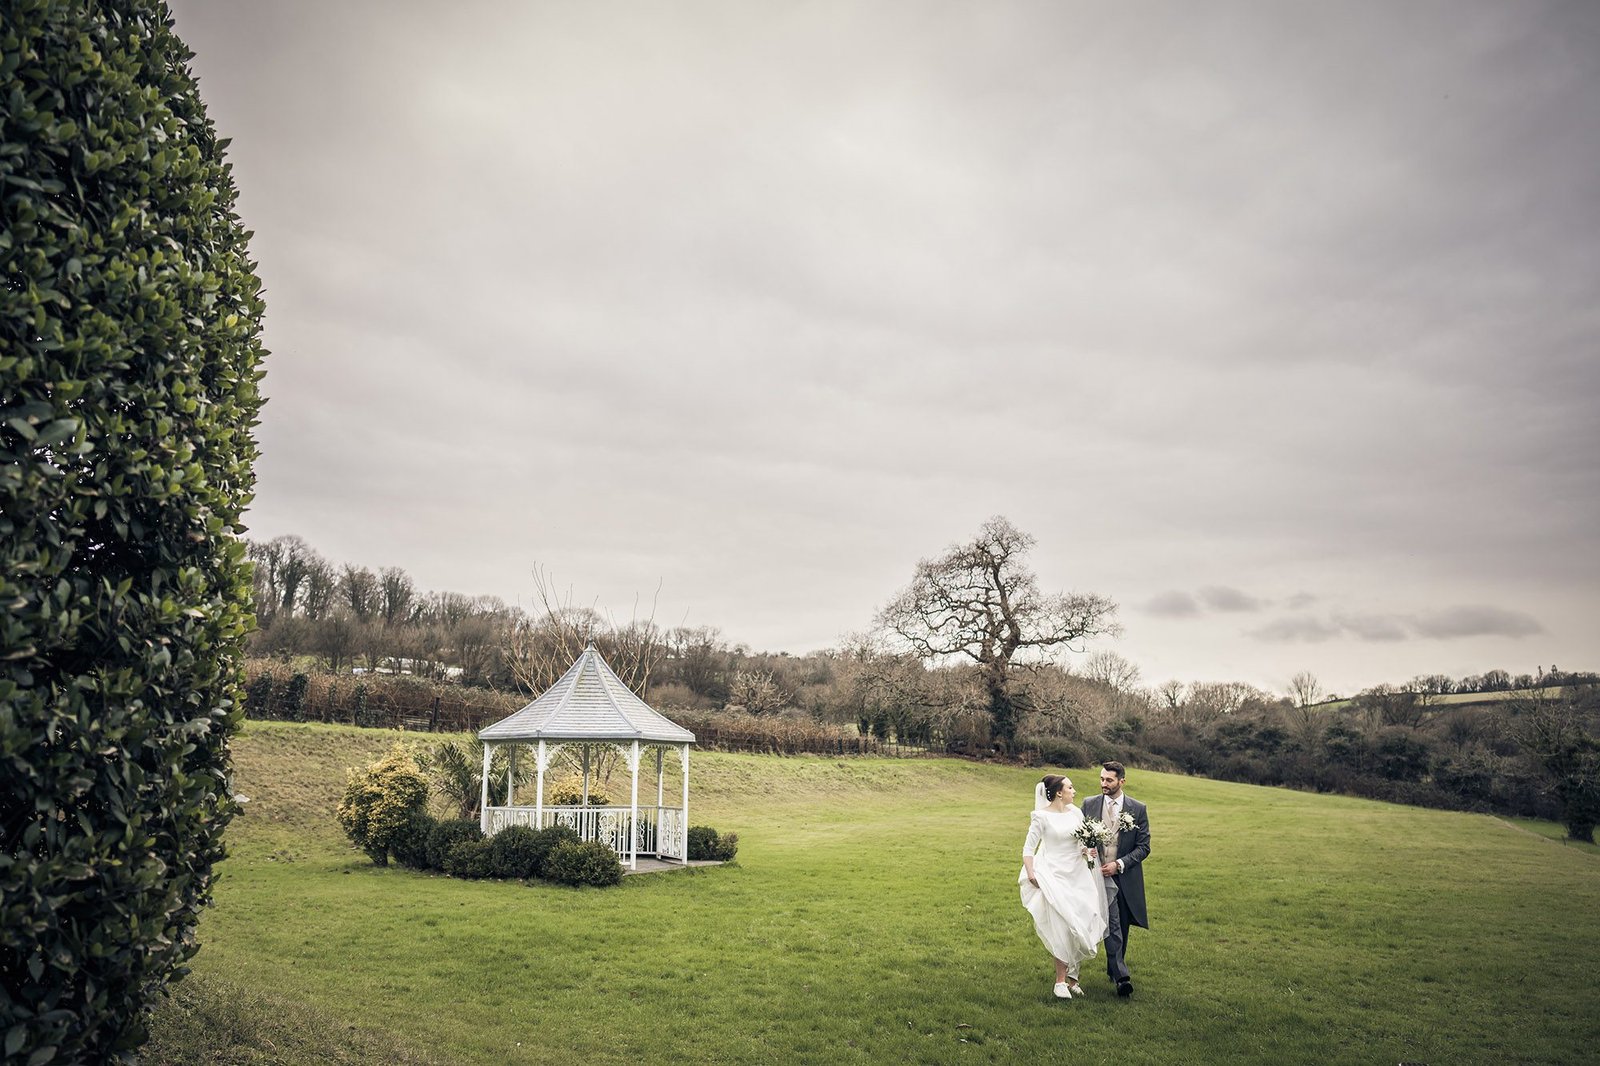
(1076, 989)
(1063, 990)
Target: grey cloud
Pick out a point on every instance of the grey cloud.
(1449, 623)
(1373, 627)
(1173, 604)
(1301, 600)
(1296, 631)
(1476, 620)
(1176, 603)
(1226, 598)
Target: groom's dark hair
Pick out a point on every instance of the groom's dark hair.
(1116, 768)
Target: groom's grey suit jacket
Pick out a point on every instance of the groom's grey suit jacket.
(1133, 847)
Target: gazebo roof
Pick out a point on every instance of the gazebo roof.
(589, 703)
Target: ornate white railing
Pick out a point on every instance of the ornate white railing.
(661, 829)
(672, 838)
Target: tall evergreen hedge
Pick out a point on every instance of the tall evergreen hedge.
(129, 344)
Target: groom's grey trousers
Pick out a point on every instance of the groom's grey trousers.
(1116, 932)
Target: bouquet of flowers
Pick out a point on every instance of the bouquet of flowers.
(1094, 834)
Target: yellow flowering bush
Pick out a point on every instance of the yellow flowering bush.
(381, 803)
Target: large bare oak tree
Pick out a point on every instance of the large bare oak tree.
(979, 601)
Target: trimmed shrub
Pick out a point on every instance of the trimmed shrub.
(358, 705)
(446, 834)
(515, 852)
(130, 318)
(258, 696)
(381, 802)
(470, 858)
(705, 843)
(293, 699)
(410, 845)
(548, 839)
(586, 862)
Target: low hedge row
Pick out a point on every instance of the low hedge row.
(457, 847)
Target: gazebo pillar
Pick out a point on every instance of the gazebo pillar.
(538, 795)
(660, 794)
(586, 775)
(483, 800)
(684, 752)
(511, 775)
(633, 846)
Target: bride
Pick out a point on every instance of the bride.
(1060, 889)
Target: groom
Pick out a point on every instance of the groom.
(1121, 866)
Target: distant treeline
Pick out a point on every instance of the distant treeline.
(1401, 745)
(274, 690)
(393, 655)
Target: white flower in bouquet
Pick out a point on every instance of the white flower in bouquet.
(1094, 835)
(1126, 823)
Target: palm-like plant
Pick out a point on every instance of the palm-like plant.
(456, 769)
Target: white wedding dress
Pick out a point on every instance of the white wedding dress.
(1069, 906)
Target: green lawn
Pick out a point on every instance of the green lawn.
(872, 916)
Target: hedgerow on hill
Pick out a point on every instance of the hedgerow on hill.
(130, 317)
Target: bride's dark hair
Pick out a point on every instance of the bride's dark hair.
(1052, 786)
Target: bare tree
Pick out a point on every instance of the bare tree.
(1120, 679)
(700, 658)
(297, 560)
(1171, 697)
(319, 588)
(1109, 668)
(1211, 700)
(1305, 720)
(757, 692)
(1064, 704)
(396, 593)
(980, 602)
(1305, 690)
(265, 557)
(545, 645)
(1388, 705)
(335, 639)
(281, 568)
(358, 588)
(877, 679)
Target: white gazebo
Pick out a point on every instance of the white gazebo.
(591, 708)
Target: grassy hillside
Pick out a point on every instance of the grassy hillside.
(873, 916)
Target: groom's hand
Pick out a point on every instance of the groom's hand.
(1109, 869)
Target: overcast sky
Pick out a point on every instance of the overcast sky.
(1274, 322)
